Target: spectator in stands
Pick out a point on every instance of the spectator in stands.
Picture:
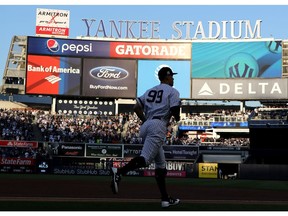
(122, 128)
(16, 125)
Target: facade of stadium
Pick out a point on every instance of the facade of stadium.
(90, 76)
(208, 70)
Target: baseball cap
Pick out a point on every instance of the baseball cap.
(165, 71)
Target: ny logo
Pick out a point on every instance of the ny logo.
(247, 70)
(276, 46)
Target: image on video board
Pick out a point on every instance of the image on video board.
(262, 59)
(148, 77)
(51, 75)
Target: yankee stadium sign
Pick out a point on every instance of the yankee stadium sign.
(187, 30)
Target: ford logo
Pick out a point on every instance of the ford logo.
(109, 73)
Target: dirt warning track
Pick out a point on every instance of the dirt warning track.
(134, 189)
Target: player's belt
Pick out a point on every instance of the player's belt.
(156, 117)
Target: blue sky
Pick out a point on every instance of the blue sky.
(19, 19)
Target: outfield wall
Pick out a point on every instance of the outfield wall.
(96, 159)
(263, 171)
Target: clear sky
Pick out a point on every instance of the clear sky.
(18, 19)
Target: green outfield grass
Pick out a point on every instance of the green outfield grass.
(138, 206)
(127, 206)
(237, 183)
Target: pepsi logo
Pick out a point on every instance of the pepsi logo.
(53, 45)
(109, 73)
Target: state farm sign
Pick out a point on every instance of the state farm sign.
(14, 143)
(17, 161)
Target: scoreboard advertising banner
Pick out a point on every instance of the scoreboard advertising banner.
(102, 68)
(53, 75)
(109, 78)
(238, 89)
(236, 70)
(229, 70)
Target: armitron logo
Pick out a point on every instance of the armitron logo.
(53, 79)
(109, 73)
(53, 45)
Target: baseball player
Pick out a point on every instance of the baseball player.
(155, 109)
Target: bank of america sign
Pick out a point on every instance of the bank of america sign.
(239, 89)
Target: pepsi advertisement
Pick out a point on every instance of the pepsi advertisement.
(262, 59)
(53, 75)
(67, 47)
(109, 78)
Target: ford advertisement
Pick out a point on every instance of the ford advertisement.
(109, 78)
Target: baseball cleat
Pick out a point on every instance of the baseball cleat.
(115, 180)
(169, 202)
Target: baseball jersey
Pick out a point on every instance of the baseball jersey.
(157, 101)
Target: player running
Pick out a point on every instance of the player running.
(155, 109)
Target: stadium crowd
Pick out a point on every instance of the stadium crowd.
(216, 116)
(16, 124)
(270, 113)
(41, 125)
